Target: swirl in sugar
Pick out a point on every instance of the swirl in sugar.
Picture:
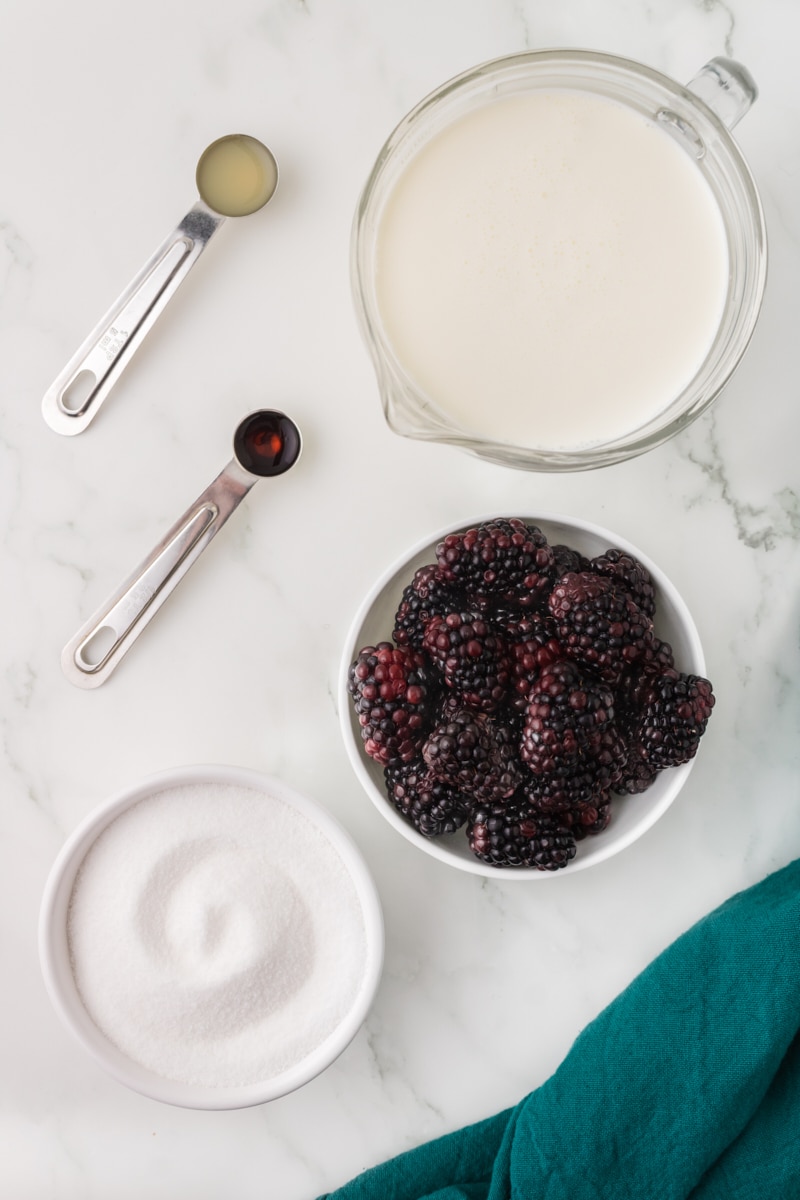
(232, 944)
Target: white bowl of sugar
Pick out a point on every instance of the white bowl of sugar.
(213, 938)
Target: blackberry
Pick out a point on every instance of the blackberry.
(428, 595)
(565, 559)
(571, 786)
(581, 780)
(429, 805)
(474, 660)
(566, 717)
(637, 776)
(598, 624)
(532, 646)
(657, 658)
(514, 835)
(505, 557)
(588, 821)
(610, 756)
(449, 704)
(392, 695)
(467, 753)
(500, 611)
(628, 572)
(634, 686)
(638, 690)
(673, 718)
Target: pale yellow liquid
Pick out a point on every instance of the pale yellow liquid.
(236, 175)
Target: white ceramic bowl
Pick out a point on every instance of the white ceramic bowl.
(58, 970)
(631, 815)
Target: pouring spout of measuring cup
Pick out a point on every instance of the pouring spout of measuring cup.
(266, 443)
(236, 175)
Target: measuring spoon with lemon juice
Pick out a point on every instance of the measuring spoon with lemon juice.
(236, 176)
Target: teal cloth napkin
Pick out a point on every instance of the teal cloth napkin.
(687, 1085)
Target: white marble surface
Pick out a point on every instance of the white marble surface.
(104, 112)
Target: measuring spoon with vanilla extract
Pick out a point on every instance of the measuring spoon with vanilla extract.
(265, 444)
(236, 176)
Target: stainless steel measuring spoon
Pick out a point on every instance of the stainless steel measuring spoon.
(236, 175)
(265, 443)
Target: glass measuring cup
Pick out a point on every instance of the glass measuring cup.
(698, 117)
(236, 176)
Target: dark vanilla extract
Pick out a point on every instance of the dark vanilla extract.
(267, 443)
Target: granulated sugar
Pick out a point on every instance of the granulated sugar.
(215, 934)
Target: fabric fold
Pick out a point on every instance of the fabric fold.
(686, 1085)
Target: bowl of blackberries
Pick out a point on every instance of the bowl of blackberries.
(523, 695)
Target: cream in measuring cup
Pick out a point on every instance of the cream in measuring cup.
(552, 269)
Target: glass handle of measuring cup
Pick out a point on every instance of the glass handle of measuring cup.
(74, 397)
(726, 87)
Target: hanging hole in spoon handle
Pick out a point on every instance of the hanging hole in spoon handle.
(270, 443)
(236, 176)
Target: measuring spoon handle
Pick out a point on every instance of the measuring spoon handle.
(75, 396)
(96, 649)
